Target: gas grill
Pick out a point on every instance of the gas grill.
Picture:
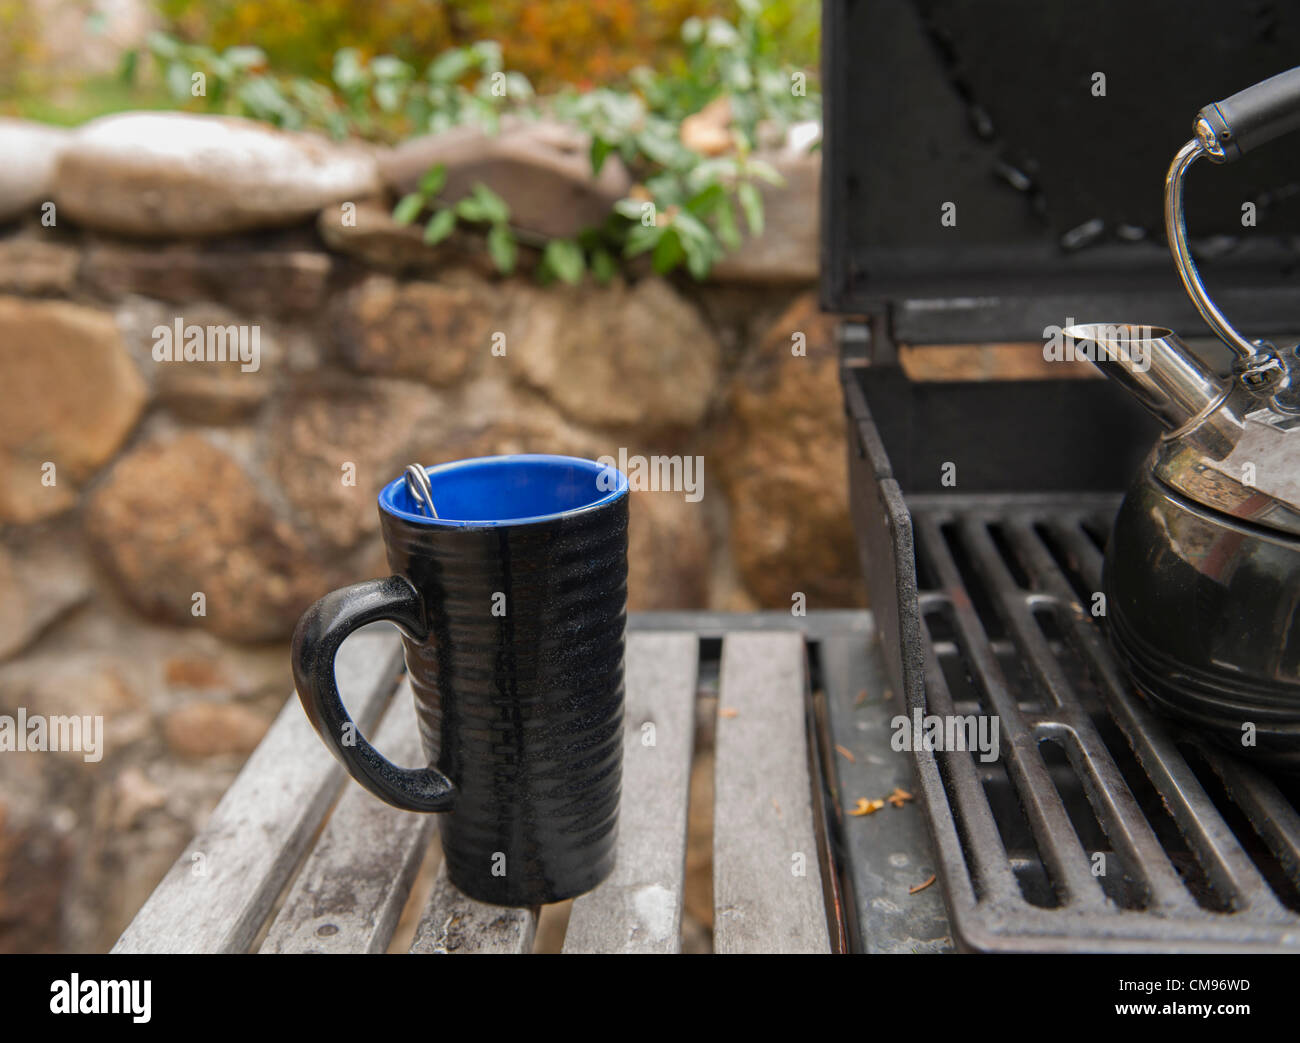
(982, 508)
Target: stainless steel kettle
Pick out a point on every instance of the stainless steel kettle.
(1202, 575)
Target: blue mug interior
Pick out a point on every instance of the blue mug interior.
(507, 490)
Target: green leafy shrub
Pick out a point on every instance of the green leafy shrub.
(690, 199)
(687, 207)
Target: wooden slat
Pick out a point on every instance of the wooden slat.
(455, 923)
(638, 908)
(349, 894)
(763, 830)
(257, 833)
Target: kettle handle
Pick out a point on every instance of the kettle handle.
(1251, 118)
(1226, 131)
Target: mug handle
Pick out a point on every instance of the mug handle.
(316, 641)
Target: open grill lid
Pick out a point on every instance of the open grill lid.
(1048, 128)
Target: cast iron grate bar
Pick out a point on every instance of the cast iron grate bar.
(1213, 842)
(1085, 768)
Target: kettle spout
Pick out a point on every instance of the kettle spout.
(1153, 365)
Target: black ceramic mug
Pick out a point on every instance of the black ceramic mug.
(512, 605)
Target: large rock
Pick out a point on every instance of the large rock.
(42, 576)
(419, 330)
(250, 279)
(781, 457)
(542, 169)
(72, 394)
(85, 683)
(209, 390)
(33, 265)
(668, 564)
(620, 357)
(371, 428)
(31, 152)
(36, 860)
(788, 250)
(209, 729)
(179, 516)
(164, 174)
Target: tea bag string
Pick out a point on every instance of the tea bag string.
(417, 481)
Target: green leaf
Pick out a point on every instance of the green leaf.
(178, 79)
(129, 66)
(245, 57)
(600, 150)
(262, 97)
(494, 207)
(433, 180)
(691, 228)
(632, 209)
(163, 45)
(388, 96)
(487, 53)
(439, 226)
(668, 252)
(699, 256)
(707, 199)
(603, 265)
(564, 257)
(349, 73)
(389, 67)
(501, 245)
(471, 209)
(518, 86)
(641, 238)
(752, 204)
(764, 171)
(728, 230)
(408, 208)
(450, 66)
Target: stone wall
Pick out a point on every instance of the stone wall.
(163, 523)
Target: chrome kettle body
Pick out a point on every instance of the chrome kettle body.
(1202, 573)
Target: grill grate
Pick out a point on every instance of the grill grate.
(1198, 850)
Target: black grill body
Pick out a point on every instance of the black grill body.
(1102, 825)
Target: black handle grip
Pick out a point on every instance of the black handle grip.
(316, 641)
(1255, 116)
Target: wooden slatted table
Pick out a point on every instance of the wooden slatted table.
(297, 858)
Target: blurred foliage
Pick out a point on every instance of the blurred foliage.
(70, 106)
(687, 205)
(20, 46)
(383, 98)
(580, 42)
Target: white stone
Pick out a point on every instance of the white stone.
(177, 174)
(28, 155)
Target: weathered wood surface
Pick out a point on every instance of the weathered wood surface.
(350, 893)
(767, 888)
(767, 880)
(219, 892)
(638, 909)
(455, 923)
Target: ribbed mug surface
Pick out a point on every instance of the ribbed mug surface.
(519, 693)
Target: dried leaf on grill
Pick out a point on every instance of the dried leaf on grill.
(921, 886)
